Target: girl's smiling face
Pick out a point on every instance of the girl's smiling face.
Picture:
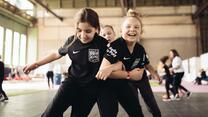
(131, 29)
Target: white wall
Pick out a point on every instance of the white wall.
(204, 61)
(164, 28)
(193, 65)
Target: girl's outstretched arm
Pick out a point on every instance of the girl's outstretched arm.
(47, 59)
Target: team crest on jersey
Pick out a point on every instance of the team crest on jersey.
(93, 55)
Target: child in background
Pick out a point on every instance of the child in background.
(108, 33)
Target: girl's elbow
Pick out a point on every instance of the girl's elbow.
(56, 56)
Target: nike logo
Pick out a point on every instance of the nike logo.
(126, 58)
(75, 52)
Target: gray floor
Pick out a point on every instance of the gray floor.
(32, 105)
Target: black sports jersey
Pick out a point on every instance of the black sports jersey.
(118, 51)
(86, 58)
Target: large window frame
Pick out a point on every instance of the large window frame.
(13, 47)
(8, 46)
(16, 49)
(1, 41)
(23, 49)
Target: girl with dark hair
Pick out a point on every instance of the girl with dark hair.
(178, 73)
(86, 49)
(168, 78)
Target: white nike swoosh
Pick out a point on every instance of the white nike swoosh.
(126, 58)
(75, 52)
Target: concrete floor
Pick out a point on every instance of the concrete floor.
(32, 105)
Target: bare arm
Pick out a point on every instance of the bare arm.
(47, 59)
(106, 68)
(106, 64)
(135, 74)
(115, 71)
(153, 73)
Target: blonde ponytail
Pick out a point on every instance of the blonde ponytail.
(133, 13)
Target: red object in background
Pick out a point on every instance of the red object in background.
(7, 78)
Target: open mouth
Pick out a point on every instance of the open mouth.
(131, 34)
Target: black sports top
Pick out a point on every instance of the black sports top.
(167, 71)
(1, 71)
(86, 58)
(118, 51)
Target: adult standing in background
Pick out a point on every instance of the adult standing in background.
(3, 95)
(178, 71)
(50, 76)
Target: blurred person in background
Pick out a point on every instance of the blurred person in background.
(3, 96)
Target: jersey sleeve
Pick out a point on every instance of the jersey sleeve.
(112, 52)
(145, 59)
(63, 50)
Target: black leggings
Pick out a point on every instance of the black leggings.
(121, 91)
(168, 82)
(2, 91)
(148, 96)
(177, 82)
(50, 77)
(81, 98)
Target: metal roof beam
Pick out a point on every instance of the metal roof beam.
(49, 10)
(200, 10)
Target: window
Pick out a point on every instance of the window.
(8, 46)
(1, 40)
(25, 5)
(13, 50)
(22, 49)
(16, 48)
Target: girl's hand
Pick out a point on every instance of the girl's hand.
(106, 71)
(104, 74)
(29, 68)
(136, 74)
